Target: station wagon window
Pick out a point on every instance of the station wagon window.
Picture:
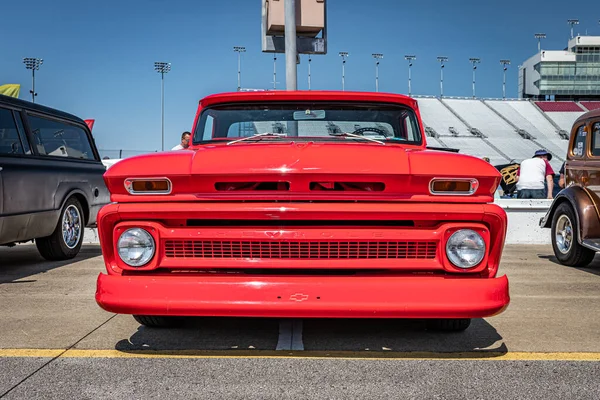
(579, 142)
(59, 139)
(10, 142)
(596, 139)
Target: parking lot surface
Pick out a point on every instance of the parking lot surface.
(55, 342)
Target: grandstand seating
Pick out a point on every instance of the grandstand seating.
(591, 105)
(565, 119)
(558, 106)
(438, 117)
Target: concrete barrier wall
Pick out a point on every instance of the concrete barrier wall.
(523, 222)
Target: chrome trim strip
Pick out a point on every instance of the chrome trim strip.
(128, 183)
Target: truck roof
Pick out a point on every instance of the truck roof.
(307, 95)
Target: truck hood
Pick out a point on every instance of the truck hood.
(307, 170)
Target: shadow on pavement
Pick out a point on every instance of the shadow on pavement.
(356, 338)
(592, 268)
(24, 260)
(200, 334)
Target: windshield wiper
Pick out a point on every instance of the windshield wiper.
(259, 136)
(352, 135)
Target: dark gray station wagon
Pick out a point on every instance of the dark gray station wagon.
(51, 184)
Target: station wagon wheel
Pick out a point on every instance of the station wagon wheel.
(65, 242)
(566, 247)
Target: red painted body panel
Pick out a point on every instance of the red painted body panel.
(294, 296)
(199, 283)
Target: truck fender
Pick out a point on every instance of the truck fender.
(585, 204)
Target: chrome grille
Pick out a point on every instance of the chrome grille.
(332, 250)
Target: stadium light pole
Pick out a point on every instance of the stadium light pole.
(410, 60)
(162, 68)
(504, 65)
(539, 37)
(572, 22)
(377, 57)
(442, 60)
(474, 61)
(309, 60)
(33, 64)
(239, 50)
(274, 71)
(344, 55)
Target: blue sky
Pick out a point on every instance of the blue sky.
(98, 56)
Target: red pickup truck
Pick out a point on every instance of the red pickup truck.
(304, 204)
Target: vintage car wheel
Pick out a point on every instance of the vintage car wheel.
(65, 241)
(449, 325)
(154, 321)
(564, 239)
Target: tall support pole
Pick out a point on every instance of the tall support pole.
(33, 85)
(239, 50)
(442, 60)
(309, 60)
(377, 57)
(291, 53)
(343, 54)
(162, 68)
(162, 109)
(274, 71)
(474, 61)
(539, 37)
(239, 86)
(504, 67)
(410, 60)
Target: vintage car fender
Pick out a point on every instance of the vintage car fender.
(585, 203)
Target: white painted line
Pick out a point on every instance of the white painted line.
(297, 343)
(285, 335)
(290, 335)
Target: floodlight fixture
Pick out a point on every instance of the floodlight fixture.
(162, 68)
(33, 64)
(539, 37)
(344, 55)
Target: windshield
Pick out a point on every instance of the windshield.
(310, 121)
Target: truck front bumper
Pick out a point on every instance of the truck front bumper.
(304, 296)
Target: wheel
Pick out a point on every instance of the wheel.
(154, 321)
(65, 242)
(449, 325)
(564, 238)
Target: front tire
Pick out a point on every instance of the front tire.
(566, 248)
(153, 321)
(449, 325)
(65, 242)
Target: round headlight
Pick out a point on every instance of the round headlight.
(465, 248)
(136, 247)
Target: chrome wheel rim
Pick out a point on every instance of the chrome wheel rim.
(564, 234)
(71, 226)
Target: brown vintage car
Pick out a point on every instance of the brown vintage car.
(574, 216)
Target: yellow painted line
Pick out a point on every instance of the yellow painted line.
(30, 352)
(318, 355)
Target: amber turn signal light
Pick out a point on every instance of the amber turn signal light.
(453, 186)
(148, 186)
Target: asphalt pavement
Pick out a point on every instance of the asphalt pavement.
(55, 342)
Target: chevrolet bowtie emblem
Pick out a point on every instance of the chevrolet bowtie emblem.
(299, 297)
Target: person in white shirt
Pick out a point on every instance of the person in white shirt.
(185, 141)
(532, 174)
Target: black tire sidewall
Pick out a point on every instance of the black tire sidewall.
(577, 254)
